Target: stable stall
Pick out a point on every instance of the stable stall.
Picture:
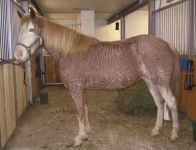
(121, 119)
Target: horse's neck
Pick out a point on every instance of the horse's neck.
(56, 55)
(51, 47)
(61, 41)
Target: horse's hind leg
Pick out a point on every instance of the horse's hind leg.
(170, 99)
(160, 107)
(78, 97)
(87, 124)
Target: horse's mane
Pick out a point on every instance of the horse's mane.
(63, 39)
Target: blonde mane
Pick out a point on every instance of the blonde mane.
(65, 40)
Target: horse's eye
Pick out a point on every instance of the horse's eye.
(31, 30)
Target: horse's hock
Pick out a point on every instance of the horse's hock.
(136, 99)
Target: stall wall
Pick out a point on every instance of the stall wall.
(13, 99)
(136, 23)
(35, 78)
(172, 25)
(163, 3)
(175, 25)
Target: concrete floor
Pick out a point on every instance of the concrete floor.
(53, 126)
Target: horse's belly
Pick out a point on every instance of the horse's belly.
(110, 83)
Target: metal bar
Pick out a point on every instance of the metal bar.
(168, 6)
(194, 12)
(129, 9)
(18, 5)
(35, 4)
(191, 28)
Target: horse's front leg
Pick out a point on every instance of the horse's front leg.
(77, 94)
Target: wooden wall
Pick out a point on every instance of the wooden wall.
(13, 100)
(51, 71)
(36, 82)
(187, 101)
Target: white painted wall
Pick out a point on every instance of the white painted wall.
(102, 31)
(87, 20)
(106, 32)
(136, 23)
(68, 23)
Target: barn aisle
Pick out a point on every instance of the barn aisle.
(53, 126)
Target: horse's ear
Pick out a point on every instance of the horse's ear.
(32, 12)
(19, 14)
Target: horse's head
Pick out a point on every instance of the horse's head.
(29, 37)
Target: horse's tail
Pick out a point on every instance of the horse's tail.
(174, 83)
(176, 74)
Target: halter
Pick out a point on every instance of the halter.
(28, 48)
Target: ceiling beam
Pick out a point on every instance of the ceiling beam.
(37, 7)
(127, 10)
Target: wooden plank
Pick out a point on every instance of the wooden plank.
(192, 98)
(13, 100)
(9, 99)
(187, 101)
(3, 136)
(20, 91)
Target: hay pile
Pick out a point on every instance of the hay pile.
(136, 99)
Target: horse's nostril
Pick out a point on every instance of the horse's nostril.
(19, 54)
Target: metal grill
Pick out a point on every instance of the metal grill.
(9, 25)
(172, 25)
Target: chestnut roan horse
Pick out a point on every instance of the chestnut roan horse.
(87, 63)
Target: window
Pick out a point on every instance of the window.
(9, 27)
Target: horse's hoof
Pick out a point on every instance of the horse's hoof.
(69, 145)
(154, 133)
(173, 138)
(76, 143)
